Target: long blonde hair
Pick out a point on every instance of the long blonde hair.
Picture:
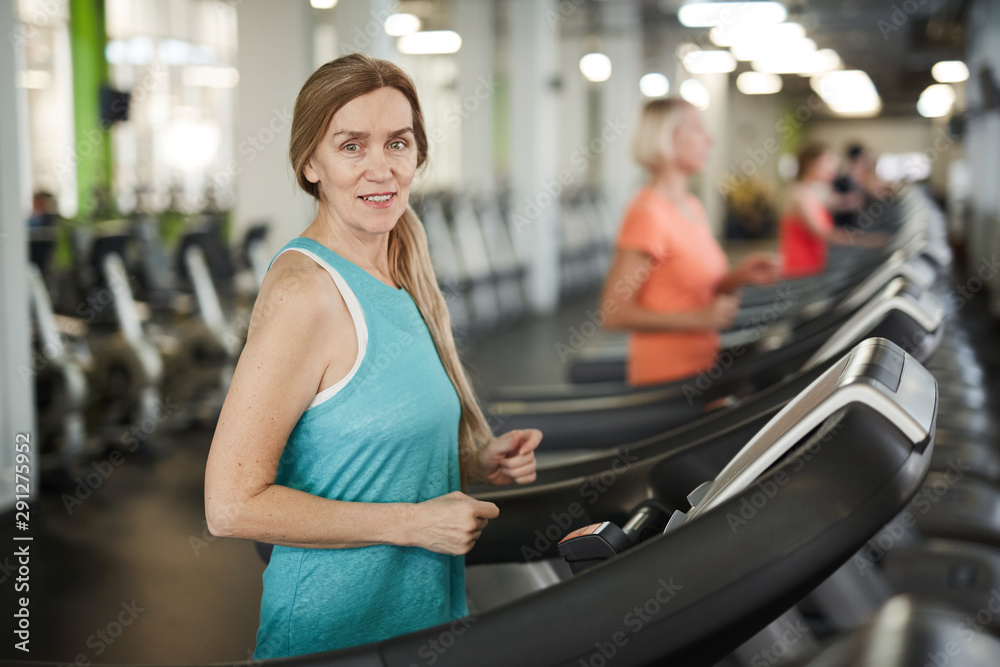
(328, 89)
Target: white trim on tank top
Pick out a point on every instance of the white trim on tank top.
(360, 326)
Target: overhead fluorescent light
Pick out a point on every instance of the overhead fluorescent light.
(806, 64)
(708, 14)
(731, 35)
(695, 92)
(709, 62)
(760, 49)
(430, 42)
(950, 71)
(596, 67)
(848, 92)
(397, 25)
(323, 4)
(758, 83)
(654, 84)
(936, 100)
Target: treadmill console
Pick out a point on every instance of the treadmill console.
(876, 373)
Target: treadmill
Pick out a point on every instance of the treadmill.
(899, 312)
(813, 296)
(693, 593)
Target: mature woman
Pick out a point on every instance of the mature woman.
(350, 426)
(670, 284)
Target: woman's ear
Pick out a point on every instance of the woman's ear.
(309, 172)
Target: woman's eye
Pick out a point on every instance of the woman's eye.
(398, 145)
(352, 148)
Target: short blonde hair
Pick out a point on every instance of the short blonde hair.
(653, 138)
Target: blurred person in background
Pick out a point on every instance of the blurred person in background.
(670, 284)
(44, 211)
(806, 227)
(350, 426)
(856, 188)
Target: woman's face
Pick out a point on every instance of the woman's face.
(691, 142)
(824, 168)
(365, 163)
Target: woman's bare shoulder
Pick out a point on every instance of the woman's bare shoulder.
(296, 292)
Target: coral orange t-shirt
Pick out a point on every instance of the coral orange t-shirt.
(802, 252)
(686, 266)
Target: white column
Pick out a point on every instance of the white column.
(620, 101)
(264, 183)
(17, 389)
(574, 109)
(474, 21)
(715, 117)
(534, 145)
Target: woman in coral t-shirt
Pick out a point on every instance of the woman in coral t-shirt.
(670, 284)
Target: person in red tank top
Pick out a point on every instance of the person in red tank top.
(670, 284)
(806, 227)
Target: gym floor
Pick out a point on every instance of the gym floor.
(126, 572)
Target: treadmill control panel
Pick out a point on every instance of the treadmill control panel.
(876, 373)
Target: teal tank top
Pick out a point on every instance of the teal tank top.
(387, 434)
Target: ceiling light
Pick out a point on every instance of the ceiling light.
(429, 42)
(848, 92)
(708, 14)
(806, 64)
(709, 62)
(323, 4)
(654, 84)
(730, 35)
(596, 67)
(936, 100)
(763, 48)
(950, 71)
(758, 83)
(397, 25)
(695, 92)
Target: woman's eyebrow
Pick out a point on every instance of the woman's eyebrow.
(353, 133)
(364, 135)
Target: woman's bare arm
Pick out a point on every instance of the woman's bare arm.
(622, 310)
(294, 327)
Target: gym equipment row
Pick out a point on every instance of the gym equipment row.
(694, 545)
(129, 340)
(481, 253)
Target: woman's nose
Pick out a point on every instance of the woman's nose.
(378, 167)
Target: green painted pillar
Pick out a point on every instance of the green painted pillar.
(92, 144)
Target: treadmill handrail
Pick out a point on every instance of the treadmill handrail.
(205, 292)
(584, 404)
(928, 312)
(53, 346)
(911, 406)
(124, 302)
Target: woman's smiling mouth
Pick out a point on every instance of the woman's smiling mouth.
(378, 200)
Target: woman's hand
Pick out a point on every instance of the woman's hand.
(719, 314)
(758, 269)
(451, 524)
(511, 457)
